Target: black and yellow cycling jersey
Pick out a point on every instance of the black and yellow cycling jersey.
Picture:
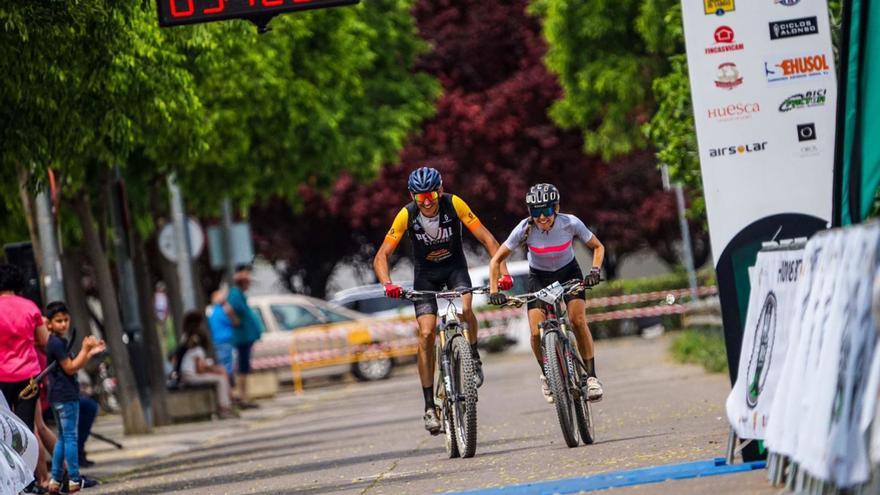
(436, 241)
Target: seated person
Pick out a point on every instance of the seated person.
(196, 368)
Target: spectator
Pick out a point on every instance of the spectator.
(221, 322)
(64, 395)
(21, 326)
(248, 330)
(197, 368)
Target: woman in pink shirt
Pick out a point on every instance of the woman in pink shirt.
(21, 326)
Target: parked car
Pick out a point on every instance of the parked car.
(286, 314)
(371, 298)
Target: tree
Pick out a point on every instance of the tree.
(607, 55)
(491, 138)
(107, 84)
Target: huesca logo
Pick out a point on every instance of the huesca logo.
(725, 41)
(741, 149)
(734, 111)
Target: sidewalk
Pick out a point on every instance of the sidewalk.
(165, 441)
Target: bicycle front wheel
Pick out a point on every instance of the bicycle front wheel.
(582, 408)
(464, 406)
(556, 371)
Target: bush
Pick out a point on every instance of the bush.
(701, 346)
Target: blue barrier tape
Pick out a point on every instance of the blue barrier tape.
(616, 479)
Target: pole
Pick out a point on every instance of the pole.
(181, 234)
(50, 262)
(686, 249)
(226, 233)
(128, 293)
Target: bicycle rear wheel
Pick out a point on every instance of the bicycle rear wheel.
(556, 371)
(464, 407)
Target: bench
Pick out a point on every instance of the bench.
(262, 384)
(192, 403)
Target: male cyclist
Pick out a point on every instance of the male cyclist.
(434, 221)
(548, 235)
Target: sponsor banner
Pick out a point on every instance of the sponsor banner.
(826, 396)
(765, 342)
(763, 89)
(18, 452)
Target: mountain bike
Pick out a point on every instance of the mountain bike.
(455, 395)
(565, 370)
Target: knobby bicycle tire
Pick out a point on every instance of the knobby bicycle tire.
(465, 410)
(582, 409)
(557, 377)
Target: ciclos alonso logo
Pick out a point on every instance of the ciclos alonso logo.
(725, 41)
(741, 149)
(718, 7)
(807, 99)
(734, 111)
(728, 76)
(786, 68)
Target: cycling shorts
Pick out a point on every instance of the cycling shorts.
(438, 279)
(538, 279)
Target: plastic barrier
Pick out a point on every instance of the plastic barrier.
(310, 349)
(820, 425)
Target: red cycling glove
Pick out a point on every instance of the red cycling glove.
(505, 282)
(393, 291)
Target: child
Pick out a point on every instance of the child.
(64, 394)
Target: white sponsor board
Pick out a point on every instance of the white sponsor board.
(764, 89)
(18, 452)
(765, 341)
(827, 393)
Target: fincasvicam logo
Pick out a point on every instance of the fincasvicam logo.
(814, 98)
(740, 149)
(762, 350)
(718, 7)
(793, 27)
(787, 3)
(734, 111)
(780, 69)
(728, 76)
(724, 41)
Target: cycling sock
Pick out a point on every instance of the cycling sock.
(475, 353)
(591, 367)
(429, 397)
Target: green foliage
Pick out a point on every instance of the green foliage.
(606, 54)
(703, 347)
(675, 280)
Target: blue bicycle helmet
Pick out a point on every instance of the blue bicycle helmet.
(424, 179)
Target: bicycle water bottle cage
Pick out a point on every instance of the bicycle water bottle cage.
(551, 293)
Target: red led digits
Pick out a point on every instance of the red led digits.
(221, 6)
(182, 13)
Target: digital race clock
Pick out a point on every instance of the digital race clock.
(177, 12)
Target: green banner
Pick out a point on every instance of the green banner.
(861, 113)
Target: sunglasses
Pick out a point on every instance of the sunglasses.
(425, 196)
(547, 211)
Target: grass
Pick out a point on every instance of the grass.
(701, 346)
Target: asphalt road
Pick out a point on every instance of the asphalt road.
(369, 439)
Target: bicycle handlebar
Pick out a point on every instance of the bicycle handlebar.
(416, 295)
(569, 287)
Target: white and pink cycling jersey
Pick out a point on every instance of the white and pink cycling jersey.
(551, 250)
